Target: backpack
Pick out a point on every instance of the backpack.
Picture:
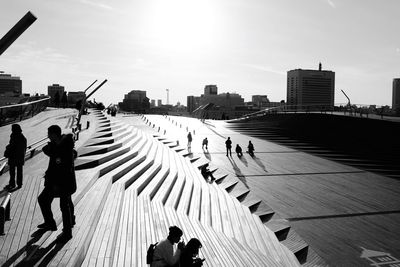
(150, 252)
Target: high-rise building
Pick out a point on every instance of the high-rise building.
(153, 103)
(210, 90)
(135, 101)
(396, 95)
(10, 85)
(52, 91)
(193, 102)
(311, 88)
(159, 103)
(260, 100)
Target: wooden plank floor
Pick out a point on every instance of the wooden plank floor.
(314, 194)
(21, 232)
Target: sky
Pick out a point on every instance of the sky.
(242, 46)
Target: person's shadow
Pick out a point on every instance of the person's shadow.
(243, 159)
(238, 172)
(43, 256)
(207, 154)
(259, 163)
(28, 248)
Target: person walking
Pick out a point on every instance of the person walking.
(189, 256)
(190, 139)
(205, 143)
(250, 149)
(59, 182)
(165, 253)
(239, 151)
(15, 152)
(228, 144)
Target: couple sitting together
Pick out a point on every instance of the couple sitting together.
(184, 256)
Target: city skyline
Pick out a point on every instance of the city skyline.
(185, 45)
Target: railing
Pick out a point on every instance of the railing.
(339, 109)
(17, 112)
(30, 152)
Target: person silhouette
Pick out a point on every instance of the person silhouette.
(228, 144)
(15, 152)
(59, 182)
(207, 173)
(239, 151)
(190, 139)
(164, 254)
(205, 143)
(250, 149)
(189, 256)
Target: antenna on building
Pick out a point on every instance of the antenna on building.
(167, 96)
(320, 66)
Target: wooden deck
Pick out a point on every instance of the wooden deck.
(275, 209)
(308, 194)
(131, 187)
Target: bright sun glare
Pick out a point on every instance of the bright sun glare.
(183, 24)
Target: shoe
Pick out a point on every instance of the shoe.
(65, 236)
(19, 186)
(47, 227)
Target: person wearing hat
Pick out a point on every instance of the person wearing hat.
(15, 152)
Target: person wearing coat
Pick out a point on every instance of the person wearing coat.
(59, 181)
(15, 152)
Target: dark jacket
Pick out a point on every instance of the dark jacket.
(228, 143)
(60, 175)
(187, 260)
(16, 149)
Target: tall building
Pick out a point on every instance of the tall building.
(135, 101)
(10, 85)
(159, 103)
(260, 100)
(52, 92)
(396, 95)
(153, 103)
(193, 102)
(210, 90)
(311, 88)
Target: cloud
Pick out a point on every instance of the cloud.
(398, 51)
(264, 68)
(96, 4)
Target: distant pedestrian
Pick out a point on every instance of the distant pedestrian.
(239, 151)
(59, 182)
(205, 143)
(189, 256)
(250, 149)
(165, 253)
(190, 139)
(207, 173)
(228, 144)
(15, 152)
